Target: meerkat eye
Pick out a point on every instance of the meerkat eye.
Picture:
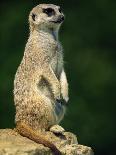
(49, 11)
(33, 16)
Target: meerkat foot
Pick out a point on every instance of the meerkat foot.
(57, 129)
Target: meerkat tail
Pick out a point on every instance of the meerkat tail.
(28, 132)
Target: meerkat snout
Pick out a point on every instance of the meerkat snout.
(59, 20)
(46, 15)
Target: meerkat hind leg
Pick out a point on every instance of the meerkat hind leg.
(27, 131)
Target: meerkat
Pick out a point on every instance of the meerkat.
(40, 85)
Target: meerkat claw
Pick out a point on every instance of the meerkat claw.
(62, 101)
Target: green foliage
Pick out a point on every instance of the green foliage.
(88, 36)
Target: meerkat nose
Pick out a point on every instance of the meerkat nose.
(62, 17)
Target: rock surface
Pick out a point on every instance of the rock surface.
(11, 143)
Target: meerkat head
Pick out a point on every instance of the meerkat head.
(46, 16)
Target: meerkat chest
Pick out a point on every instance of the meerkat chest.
(52, 50)
(57, 61)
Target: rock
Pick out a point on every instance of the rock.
(11, 143)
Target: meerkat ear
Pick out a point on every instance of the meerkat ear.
(33, 16)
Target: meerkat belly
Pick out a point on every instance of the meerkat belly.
(44, 85)
(56, 65)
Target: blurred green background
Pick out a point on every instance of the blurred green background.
(88, 36)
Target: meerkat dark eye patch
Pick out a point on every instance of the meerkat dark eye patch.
(33, 16)
(49, 11)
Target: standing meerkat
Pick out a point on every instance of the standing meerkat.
(40, 85)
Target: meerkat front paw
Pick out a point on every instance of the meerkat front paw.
(57, 129)
(64, 86)
(65, 98)
(64, 93)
